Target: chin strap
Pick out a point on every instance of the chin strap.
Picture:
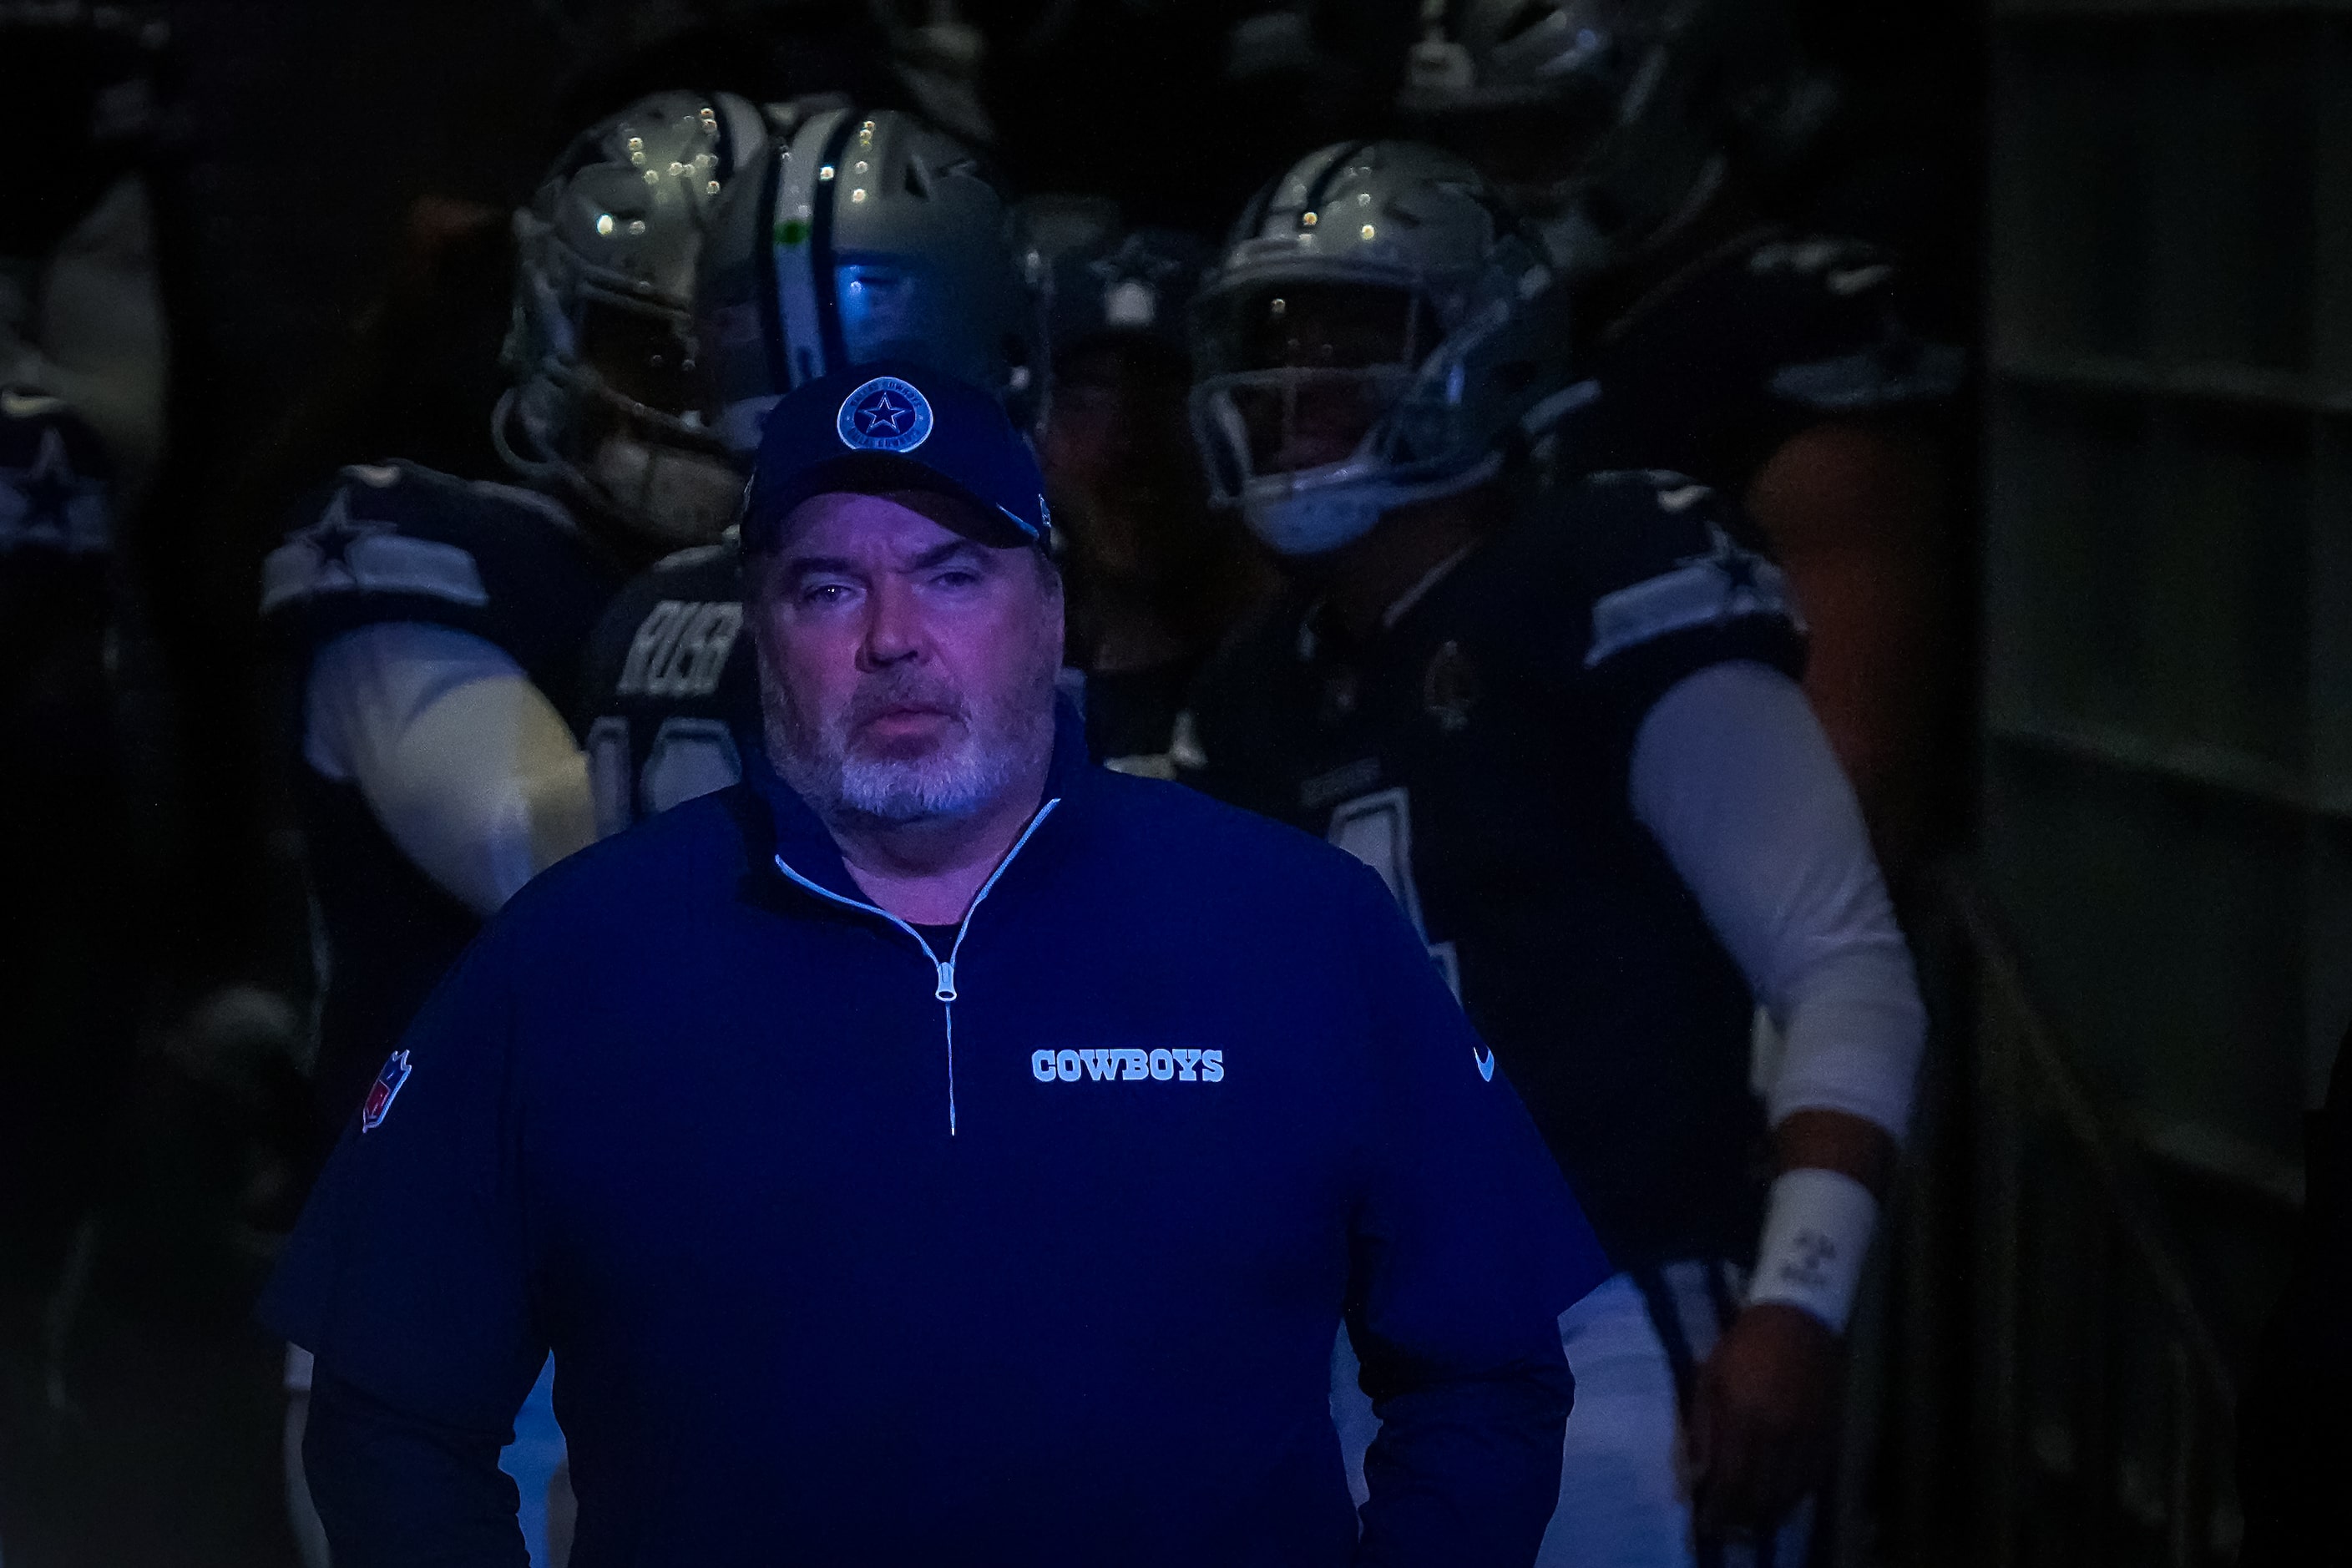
(1315, 522)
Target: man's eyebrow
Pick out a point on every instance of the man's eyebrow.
(799, 566)
(940, 554)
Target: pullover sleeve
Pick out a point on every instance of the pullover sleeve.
(395, 1490)
(1467, 1248)
(409, 1279)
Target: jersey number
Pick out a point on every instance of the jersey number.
(1378, 830)
(690, 757)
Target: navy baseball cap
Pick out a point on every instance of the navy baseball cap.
(893, 425)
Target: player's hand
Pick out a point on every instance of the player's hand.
(1763, 1418)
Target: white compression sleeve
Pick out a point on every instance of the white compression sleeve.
(464, 761)
(1733, 775)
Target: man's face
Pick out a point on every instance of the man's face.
(1351, 347)
(906, 672)
(1119, 461)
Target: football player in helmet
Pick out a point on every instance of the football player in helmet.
(866, 234)
(1642, 137)
(437, 623)
(1563, 723)
(1153, 578)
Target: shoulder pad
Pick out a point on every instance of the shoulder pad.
(55, 493)
(1662, 553)
(1848, 348)
(400, 530)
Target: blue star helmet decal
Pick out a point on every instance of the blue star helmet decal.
(884, 415)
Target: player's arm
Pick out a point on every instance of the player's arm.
(466, 764)
(1467, 1248)
(1851, 508)
(1732, 772)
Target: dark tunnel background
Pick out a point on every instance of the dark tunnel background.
(2137, 950)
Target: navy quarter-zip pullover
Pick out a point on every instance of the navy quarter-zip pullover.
(1030, 1252)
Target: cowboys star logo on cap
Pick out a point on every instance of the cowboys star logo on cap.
(884, 415)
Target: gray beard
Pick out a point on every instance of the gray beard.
(976, 764)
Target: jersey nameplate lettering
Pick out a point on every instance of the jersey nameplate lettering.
(680, 648)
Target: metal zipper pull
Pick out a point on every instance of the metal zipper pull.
(947, 991)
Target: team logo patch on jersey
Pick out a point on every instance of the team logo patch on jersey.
(383, 1092)
(884, 415)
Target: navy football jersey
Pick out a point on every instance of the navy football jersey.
(1476, 755)
(1713, 370)
(395, 543)
(669, 695)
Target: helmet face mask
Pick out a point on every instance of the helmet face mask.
(612, 384)
(642, 356)
(1317, 368)
(1377, 330)
(684, 497)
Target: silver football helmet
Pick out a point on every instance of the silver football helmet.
(1101, 278)
(610, 394)
(1610, 123)
(1381, 331)
(869, 235)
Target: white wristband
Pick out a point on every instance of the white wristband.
(1817, 1227)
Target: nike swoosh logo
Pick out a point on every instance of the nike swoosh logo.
(1485, 1061)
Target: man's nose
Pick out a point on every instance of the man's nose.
(894, 629)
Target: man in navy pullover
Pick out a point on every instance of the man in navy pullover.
(935, 1150)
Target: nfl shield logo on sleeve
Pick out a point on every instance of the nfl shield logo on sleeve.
(385, 1090)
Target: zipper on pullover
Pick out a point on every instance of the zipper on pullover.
(944, 969)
